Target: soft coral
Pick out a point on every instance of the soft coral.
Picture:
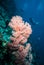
(21, 32)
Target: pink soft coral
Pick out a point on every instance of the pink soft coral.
(21, 32)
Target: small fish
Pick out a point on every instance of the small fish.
(20, 10)
(33, 22)
(38, 38)
(37, 23)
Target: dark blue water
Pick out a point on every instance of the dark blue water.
(33, 9)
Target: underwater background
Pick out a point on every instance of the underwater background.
(33, 12)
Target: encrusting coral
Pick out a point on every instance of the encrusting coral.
(20, 34)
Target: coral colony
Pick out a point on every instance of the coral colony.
(17, 46)
(21, 32)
